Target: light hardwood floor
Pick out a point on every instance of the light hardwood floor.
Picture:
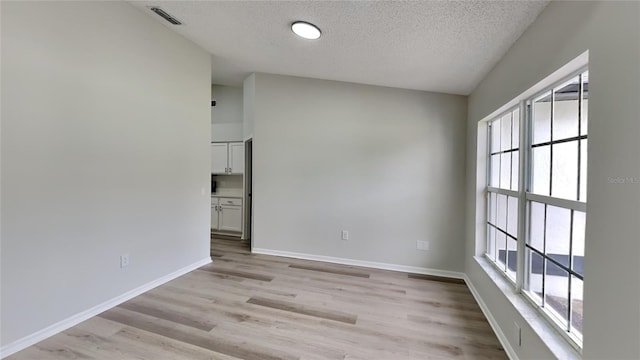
(246, 306)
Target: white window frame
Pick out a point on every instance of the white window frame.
(505, 192)
(525, 197)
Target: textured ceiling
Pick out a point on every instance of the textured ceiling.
(442, 46)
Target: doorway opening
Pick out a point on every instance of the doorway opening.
(247, 233)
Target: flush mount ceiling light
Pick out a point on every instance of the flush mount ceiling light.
(306, 30)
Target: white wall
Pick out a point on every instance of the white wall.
(226, 132)
(226, 116)
(611, 33)
(385, 164)
(105, 151)
(248, 100)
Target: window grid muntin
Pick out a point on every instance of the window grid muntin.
(556, 262)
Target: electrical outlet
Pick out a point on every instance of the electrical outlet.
(124, 260)
(345, 235)
(517, 334)
(422, 245)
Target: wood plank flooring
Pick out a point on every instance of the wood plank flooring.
(247, 306)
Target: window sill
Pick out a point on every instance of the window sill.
(548, 334)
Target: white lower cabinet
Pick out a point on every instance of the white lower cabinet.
(226, 214)
(214, 214)
(230, 218)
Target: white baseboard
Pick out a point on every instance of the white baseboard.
(73, 320)
(492, 321)
(369, 264)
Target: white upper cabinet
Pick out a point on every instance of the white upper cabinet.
(219, 158)
(227, 158)
(236, 158)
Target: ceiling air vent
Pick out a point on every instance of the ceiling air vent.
(166, 16)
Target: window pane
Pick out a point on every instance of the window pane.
(505, 171)
(558, 231)
(501, 221)
(541, 114)
(556, 289)
(512, 216)
(576, 305)
(515, 124)
(565, 110)
(494, 180)
(495, 136)
(515, 160)
(501, 245)
(512, 258)
(493, 206)
(536, 225)
(564, 178)
(505, 132)
(583, 170)
(491, 242)
(577, 242)
(534, 276)
(541, 165)
(584, 116)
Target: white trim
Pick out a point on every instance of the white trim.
(505, 112)
(573, 66)
(504, 274)
(549, 88)
(557, 341)
(523, 184)
(502, 191)
(563, 203)
(550, 335)
(362, 263)
(492, 321)
(73, 320)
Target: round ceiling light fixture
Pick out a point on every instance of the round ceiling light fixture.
(306, 30)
